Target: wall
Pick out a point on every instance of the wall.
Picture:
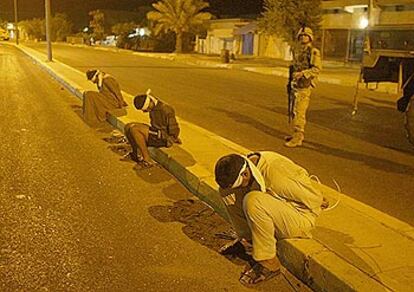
(272, 47)
(396, 17)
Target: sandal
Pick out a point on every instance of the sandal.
(134, 157)
(257, 274)
(145, 164)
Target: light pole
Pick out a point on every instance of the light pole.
(16, 29)
(49, 44)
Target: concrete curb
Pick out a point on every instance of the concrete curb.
(313, 263)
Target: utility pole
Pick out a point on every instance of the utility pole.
(373, 13)
(49, 43)
(370, 12)
(16, 30)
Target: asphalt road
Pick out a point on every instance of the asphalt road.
(368, 155)
(73, 217)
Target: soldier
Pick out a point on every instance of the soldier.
(305, 69)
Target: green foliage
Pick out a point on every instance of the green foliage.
(285, 17)
(3, 23)
(97, 24)
(61, 27)
(35, 29)
(121, 30)
(179, 17)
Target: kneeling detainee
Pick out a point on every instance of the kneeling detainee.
(163, 130)
(269, 198)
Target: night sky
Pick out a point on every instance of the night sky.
(78, 9)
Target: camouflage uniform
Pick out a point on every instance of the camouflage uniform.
(307, 60)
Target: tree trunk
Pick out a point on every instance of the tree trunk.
(179, 42)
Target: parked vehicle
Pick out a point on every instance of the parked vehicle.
(389, 57)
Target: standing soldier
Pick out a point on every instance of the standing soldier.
(304, 69)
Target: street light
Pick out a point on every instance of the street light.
(47, 17)
(16, 29)
(363, 23)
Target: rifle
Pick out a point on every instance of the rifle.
(291, 96)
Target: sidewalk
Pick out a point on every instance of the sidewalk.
(355, 247)
(334, 72)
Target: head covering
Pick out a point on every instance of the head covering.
(305, 31)
(96, 76)
(239, 179)
(91, 73)
(139, 101)
(229, 170)
(142, 101)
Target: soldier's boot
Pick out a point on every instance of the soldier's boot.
(288, 138)
(296, 140)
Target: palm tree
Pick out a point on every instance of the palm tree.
(178, 16)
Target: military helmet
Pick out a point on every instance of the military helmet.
(305, 31)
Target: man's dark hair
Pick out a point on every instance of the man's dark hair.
(91, 73)
(227, 170)
(139, 101)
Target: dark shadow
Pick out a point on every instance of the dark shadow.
(182, 156)
(348, 103)
(278, 109)
(377, 125)
(200, 223)
(324, 117)
(190, 67)
(78, 110)
(204, 226)
(344, 245)
(176, 191)
(154, 175)
(373, 162)
(400, 150)
(120, 146)
(383, 102)
(120, 149)
(251, 122)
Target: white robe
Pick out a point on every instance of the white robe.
(287, 209)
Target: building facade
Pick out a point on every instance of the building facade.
(221, 35)
(344, 23)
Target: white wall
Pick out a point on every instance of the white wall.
(273, 47)
(396, 17)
